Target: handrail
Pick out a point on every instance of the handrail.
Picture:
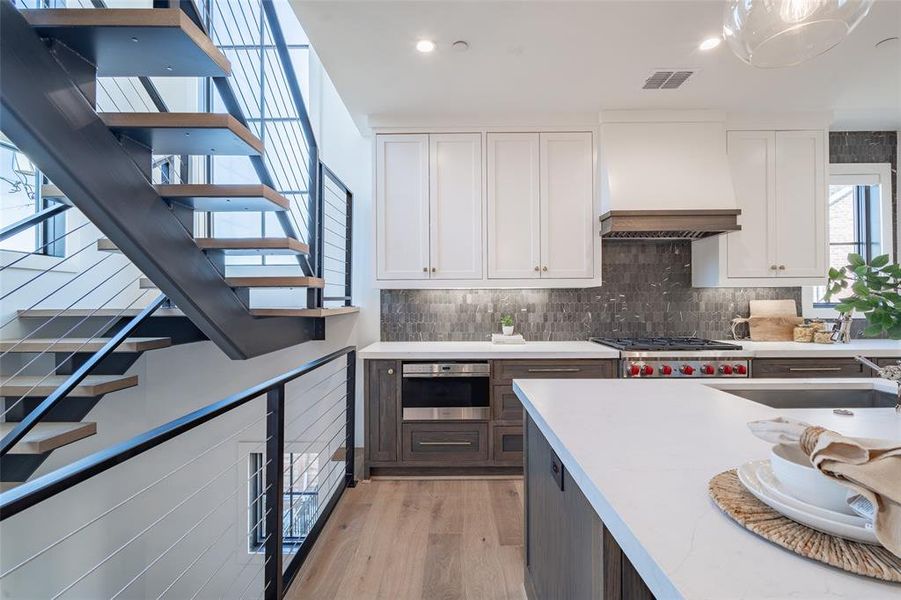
(31, 493)
(32, 220)
(33, 418)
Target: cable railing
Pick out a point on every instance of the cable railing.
(335, 239)
(236, 519)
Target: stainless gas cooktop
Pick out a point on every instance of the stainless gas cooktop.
(677, 357)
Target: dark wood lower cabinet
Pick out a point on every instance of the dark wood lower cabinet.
(569, 554)
(445, 442)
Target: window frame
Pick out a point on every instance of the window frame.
(857, 174)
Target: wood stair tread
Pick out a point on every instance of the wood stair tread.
(80, 313)
(275, 281)
(48, 436)
(92, 385)
(124, 42)
(198, 134)
(68, 345)
(225, 198)
(304, 312)
(253, 246)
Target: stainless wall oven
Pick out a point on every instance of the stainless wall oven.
(445, 391)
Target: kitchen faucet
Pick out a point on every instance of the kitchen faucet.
(890, 372)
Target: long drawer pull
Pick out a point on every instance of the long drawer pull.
(445, 443)
(556, 370)
(815, 369)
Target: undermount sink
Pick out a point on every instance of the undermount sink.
(824, 398)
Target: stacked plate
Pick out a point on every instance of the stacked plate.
(757, 476)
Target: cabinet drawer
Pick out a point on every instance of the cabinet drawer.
(507, 441)
(505, 371)
(445, 442)
(505, 406)
(807, 367)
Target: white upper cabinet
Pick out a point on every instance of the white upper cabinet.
(402, 206)
(567, 207)
(780, 187)
(514, 230)
(752, 160)
(520, 214)
(455, 205)
(800, 204)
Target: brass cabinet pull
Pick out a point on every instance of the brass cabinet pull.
(781, 267)
(425, 269)
(544, 268)
(434, 269)
(814, 369)
(445, 443)
(555, 370)
(537, 268)
(773, 267)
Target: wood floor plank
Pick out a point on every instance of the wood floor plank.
(507, 508)
(444, 576)
(419, 539)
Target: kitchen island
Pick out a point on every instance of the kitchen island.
(634, 459)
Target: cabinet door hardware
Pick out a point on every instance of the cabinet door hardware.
(773, 267)
(434, 269)
(425, 269)
(544, 268)
(781, 267)
(390, 371)
(445, 443)
(815, 369)
(555, 370)
(537, 268)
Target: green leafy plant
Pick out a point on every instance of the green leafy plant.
(506, 321)
(871, 289)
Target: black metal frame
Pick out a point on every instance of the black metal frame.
(326, 173)
(277, 580)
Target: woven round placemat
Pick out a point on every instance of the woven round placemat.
(863, 559)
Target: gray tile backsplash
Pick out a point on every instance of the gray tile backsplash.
(647, 291)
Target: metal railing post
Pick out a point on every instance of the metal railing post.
(275, 493)
(350, 425)
(348, 249)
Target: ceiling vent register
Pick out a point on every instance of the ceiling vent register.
(670, 79)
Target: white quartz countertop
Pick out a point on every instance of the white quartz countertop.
(643, 451)
(486, 350)
(585, 349)
(868, 348)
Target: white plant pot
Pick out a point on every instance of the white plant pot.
(508, 329)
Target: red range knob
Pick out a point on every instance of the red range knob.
(726, 369)
(634, 370)
(741, 369)
(666, 370)
(687, 369)
(648, 370)
(708, 370)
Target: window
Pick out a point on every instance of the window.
(301, 499)
(859, 221)
(20, 199)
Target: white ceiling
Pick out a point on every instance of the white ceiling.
(557, 58)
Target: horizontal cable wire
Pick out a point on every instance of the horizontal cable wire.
(37, 251)
(197, 559)
(83, 272)
(45, 271)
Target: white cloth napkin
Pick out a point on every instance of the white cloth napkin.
(872, 468)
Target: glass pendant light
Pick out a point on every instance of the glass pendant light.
(783, 33)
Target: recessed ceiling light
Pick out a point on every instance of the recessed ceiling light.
(710, 43)
(425, 46)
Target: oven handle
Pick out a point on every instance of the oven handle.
(445, 375)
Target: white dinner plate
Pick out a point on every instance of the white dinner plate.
(798, 511)
(764, 472)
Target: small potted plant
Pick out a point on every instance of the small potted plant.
(871, 289)
(507, 324)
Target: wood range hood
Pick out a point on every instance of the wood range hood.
(665, 175)
(691, 224)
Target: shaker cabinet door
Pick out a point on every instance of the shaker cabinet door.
(455, 201)
(402, 198)
(513, 206)
(752, 160)
(800, 204)
(567, 205)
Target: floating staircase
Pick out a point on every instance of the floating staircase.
(102, 165)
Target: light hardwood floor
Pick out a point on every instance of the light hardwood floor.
(422, 539)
